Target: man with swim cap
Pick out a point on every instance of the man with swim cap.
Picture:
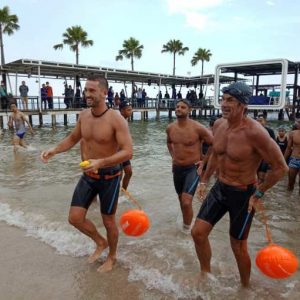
(19, 119)
(105, 142)
(184, 139)
(240, 143)
(126, 111)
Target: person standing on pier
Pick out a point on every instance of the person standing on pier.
(184, 140)
(49, 95)
(105, 150)
(23, 89)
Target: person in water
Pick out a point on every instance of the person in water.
(17, 119)
(292, 153)
(105, 143)
(126, 111)
(184, 140)
(240, 143)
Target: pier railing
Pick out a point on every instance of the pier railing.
(60, 103)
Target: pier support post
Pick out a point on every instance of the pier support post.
(53, 120)
(65, 119)
(40, 119)
(30, 119)
(1, 122)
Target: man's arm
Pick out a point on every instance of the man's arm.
(289, 148)
(72, 139)
(169, 141)
(24, 118)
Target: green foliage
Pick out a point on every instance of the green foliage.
(74, 37)
(131, 49)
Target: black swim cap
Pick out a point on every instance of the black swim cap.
(124, 104)
(239, 90)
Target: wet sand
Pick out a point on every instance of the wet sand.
(33, 270)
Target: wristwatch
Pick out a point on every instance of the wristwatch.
(258, 194)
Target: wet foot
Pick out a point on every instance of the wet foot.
(97, 252)
(107, 265)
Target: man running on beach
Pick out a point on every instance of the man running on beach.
(105, 142)
(126, 111)
(240, 143)
(184, 139)
(293, 152)
(18, 119)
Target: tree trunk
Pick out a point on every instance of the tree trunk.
(201, 87)
(2, 46)
(2, 55)
(174, 67)
(132, 83)
(77, 55)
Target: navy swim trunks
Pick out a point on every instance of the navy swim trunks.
(224, 198)
(185, 179)
(106, 184)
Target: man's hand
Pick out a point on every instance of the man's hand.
(94, 165)
(199, 165)
(202, 190)
(47, 154)
(254, 203)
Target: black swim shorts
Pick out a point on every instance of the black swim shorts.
(222, 198)
(185, 179)
(106, 184)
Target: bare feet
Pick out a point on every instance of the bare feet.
(107, 265)
(97, 252)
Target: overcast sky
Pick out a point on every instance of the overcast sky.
(233, 30)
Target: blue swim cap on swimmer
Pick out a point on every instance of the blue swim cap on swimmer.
(239, 90)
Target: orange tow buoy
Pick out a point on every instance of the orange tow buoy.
(276, 262)
(134, 222)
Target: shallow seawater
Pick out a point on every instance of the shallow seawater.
(36, 197)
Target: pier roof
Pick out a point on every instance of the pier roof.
(261, 69)
(31, 67)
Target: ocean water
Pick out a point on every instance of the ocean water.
(36, 197)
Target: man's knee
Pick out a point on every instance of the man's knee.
(198, 235)
(109, 222)
(75, 218)
(186, 200)
(239, 247)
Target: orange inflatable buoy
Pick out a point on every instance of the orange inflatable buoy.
(276, 262)
(134, 222)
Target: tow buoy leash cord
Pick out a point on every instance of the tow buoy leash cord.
(131, 198)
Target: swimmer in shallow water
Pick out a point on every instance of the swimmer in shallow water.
(18, 119)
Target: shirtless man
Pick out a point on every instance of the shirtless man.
(126, 111)
(105, 142)
(240, 143)
(293, 151)
(184, 139)
(18, 119)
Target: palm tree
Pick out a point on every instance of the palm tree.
(175, 47)
(74, 37)
(131, 49)
(8, 24)
(203, 55)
